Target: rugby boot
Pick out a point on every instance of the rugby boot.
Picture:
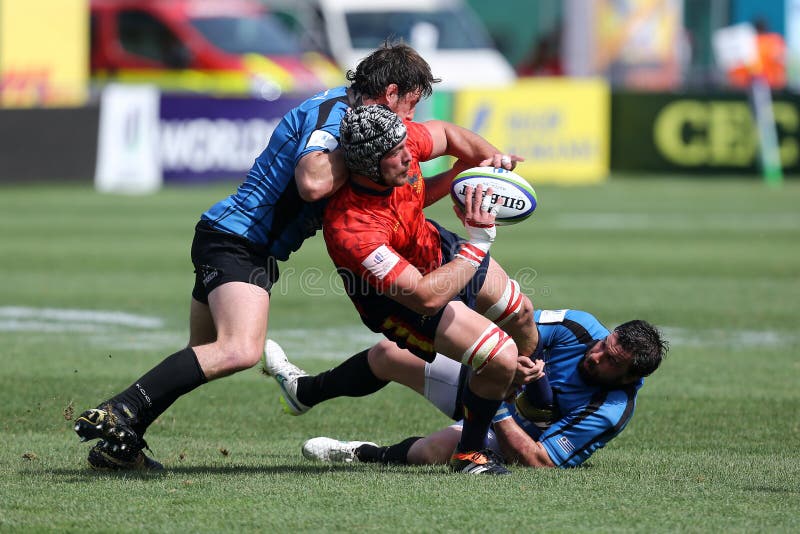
(332, 450)
(285, 373)
(484, 462)
(111, 421)
(110, 456)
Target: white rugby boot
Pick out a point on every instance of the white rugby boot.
(332, 450)
(285, 373)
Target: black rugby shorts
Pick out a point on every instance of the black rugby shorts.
(220, 257)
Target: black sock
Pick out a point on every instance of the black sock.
(393, 454)
(154, 392)
(351, 378)
(478, 413)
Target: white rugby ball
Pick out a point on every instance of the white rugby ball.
(513, 196)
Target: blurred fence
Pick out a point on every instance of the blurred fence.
(56, 145)
(569, 131)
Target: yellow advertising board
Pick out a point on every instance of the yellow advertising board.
(44, 52)
(559, 125)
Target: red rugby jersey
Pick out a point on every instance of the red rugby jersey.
(376, 234)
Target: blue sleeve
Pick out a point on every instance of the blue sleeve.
(321, 129)
(576, 436)
(559, 328)
(547, 335)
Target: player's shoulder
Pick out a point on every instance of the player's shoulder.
(417, 132)
(335, 93)
(618, 405)
(350, 210)
(418, 138)
(564, 315)
(340, 202)
(323, 103)
(571, 318)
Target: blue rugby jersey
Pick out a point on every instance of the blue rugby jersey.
(590, 415)
(267, 208)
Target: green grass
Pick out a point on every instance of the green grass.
(713, 445)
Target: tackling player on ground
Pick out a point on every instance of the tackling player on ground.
(595, 374)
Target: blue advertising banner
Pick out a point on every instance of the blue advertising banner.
(205, 139)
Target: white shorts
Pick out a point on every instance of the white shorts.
(442, 377)
(442, 385)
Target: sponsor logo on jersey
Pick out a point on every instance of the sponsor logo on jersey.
(381, 261)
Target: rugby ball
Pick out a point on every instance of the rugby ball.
(513, 196)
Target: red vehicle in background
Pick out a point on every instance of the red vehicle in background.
(222, 47)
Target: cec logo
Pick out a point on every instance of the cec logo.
(693, 133)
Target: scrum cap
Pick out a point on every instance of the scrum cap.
(367, 134)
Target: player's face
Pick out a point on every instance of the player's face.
(606, 363)
(405, 105)
(394, 165)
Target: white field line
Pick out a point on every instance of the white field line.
(115, 330)
(730, 339)
(678, 221)
(60, 315)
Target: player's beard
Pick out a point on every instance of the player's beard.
(380, 180)
(585, 372)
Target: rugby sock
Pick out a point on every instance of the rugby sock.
(351, 378)
(478, 413)
(154, 392)
(539, 393)
(393, 454)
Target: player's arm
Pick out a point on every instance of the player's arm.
(518, 446)
(428, 294)
(471, 150)
(319, 174)
(438, 186)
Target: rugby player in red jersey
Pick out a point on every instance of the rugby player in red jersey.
(418, 284)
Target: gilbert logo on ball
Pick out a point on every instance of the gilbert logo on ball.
(513, 195)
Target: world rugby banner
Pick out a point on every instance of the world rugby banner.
(204, 139)
(128, 140)
(709, 133)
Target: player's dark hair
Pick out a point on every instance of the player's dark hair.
(645, 342)
(394, 62)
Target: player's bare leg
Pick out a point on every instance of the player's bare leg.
(513, 307)
(393, 364)
(465, 336)
(435, 448)
(501, 300)
(201, 324)
(240, 311)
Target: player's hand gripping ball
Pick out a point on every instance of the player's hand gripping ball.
(513, 196)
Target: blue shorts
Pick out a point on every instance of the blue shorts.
(405, 327)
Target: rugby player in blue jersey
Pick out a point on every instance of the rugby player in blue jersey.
(238, 243)
(595, 375)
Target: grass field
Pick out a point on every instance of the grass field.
(94, 291)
